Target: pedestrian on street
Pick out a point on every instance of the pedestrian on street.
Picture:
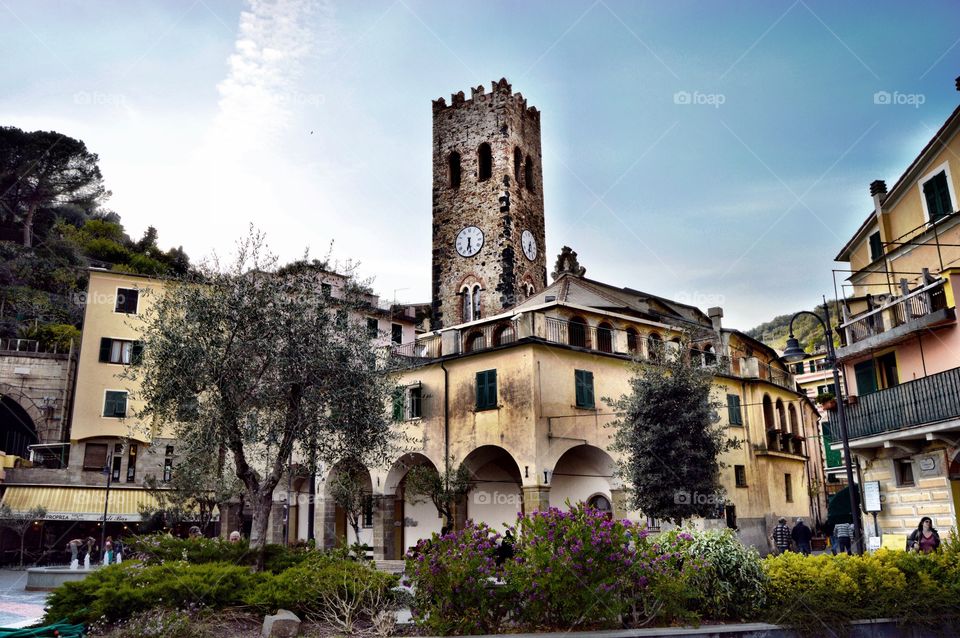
(801, 535)
(843, 532)
(925, 538)
(781, 536)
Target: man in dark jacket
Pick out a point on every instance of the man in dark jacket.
(801, 535)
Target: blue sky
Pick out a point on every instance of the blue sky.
(711, 152)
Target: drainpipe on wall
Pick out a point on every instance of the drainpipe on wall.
(446, 427)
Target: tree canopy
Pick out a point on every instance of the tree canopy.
(670, 441)
(271, 367)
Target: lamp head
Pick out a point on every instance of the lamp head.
(793, 352)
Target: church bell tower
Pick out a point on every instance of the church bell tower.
(488, 227)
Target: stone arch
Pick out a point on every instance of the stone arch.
(581, 473)
(578, 332)
(17, 426)
(781, 417)
(406, 522)
(792, 418)
(497, 495)
(605, 337)
(633, 341)
(504, 333)
(474, 341)
(337, 529)
(655, 347)
(709, 355)
(768, 420)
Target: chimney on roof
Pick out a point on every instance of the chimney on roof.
(878, 187)
(715, 314)
(957, 81)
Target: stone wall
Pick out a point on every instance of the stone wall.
(501, 206)
(41, 384)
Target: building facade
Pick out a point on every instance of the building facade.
(901, 343)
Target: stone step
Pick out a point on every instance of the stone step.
(391, 566)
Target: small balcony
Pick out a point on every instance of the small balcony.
(895, 319)
(917, 409)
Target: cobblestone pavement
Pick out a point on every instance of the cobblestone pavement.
(19, 608)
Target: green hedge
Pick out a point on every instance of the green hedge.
(805, 591)
(120, 591)
(155, 549)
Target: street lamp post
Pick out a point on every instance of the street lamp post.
(793, 352)
(106, 504)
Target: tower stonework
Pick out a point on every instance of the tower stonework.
(488, 225)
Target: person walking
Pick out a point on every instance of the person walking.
(801, 535)
(781, 536)
(843, 532)
(925, 538)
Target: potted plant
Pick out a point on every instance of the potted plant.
(828, 400)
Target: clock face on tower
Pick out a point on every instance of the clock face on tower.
(529, 245)
(469, 241)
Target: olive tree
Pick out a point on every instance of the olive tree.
(264, 361)
(669, 438)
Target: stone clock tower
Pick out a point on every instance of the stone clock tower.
(488, 229)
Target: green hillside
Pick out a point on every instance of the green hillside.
(806, 329)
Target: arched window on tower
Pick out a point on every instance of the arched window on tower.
(453, 166)
(467, 307)
(484, 162)
(476, 302)
(517, 165)
(528, 174)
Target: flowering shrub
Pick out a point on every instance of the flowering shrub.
(453, 579)
(570, 568)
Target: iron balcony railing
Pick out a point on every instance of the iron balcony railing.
(895, 313)
(922, 401)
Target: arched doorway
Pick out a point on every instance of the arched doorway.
(496, 496)
(17, 429)
(413, 518)
(582, 475)
(348, 504)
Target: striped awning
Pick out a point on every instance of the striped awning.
(79, 503)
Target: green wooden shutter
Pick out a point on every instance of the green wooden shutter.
(136, 353)
(105, 344)
(486, 389)
(876, 246)
(937, 194)
(583, 381)
(734, 415)
(866, 375)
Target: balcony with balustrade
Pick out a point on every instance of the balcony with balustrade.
(925, 409)
(644, 343)
(894, 319)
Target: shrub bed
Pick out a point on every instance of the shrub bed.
(155, 549)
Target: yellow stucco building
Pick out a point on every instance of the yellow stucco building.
(518, 399)
(901, 343)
